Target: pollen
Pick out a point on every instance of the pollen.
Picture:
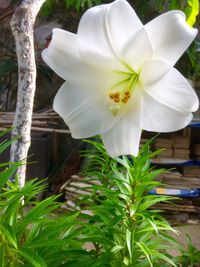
(111, 95)
(125, 99)
(120, 97)
(127, 94)
(116, 95)
(116, 100)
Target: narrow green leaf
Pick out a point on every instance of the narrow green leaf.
(117, 248)
(10, 234)
(146, 251)
(31, 257)
(162, 256)
(11, 206)
(5, 132)
(42, 208)
(2, 254)
(4, 145)
(129, 242)
(8, 173)
(34, 231)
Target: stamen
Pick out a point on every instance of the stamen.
(116, 100)
(122, 96)
(125, 100)
(111, 95)
(127, 93)
(116, 95)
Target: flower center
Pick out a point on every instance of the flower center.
(120, 97)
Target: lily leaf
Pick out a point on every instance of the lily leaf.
(191, 11)
(32, 258)
(9, 233)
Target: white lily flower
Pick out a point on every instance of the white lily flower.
(120, 77)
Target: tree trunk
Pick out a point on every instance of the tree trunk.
(22, 26)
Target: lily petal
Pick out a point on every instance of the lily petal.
(124, 137)
(174, 91)
(170, 36)
(62, 54)
(158, 117)
(137, 50)
(152, 71)
(105, 29)
(83, 109)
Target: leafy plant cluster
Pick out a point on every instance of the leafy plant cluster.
(190, 257)
(189, 7)
(30, 235)
(113, 226)
(193, 54)
(124, 230)
(78, 5)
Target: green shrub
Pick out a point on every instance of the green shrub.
(190, 256)
(122, 227)
(113, 226)
(30, 234)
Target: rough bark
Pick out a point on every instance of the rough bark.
(22, 26)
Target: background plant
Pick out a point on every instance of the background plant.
(190, 256)
(31, 233)
(78, 5)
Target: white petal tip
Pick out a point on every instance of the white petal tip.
(44, 54)
(115, 152)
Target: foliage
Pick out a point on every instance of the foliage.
(78, 5)
(7, 66)
(8, 73)
(122, 228)
(30, 235)
(191, 11)
(190, 257)
(189, 7)
(194, 57)
(115, 225)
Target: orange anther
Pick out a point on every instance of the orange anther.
(125, 100)
(116, 100)
(116, 95)
(127, 93)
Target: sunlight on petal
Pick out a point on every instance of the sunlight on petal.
(175, 91)
(138, 50)
(105, 28)
(170, 36)
(152, 71)
(83, 110)
(124, 137)
(158, 117)
(62, 54)
(120, 141)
